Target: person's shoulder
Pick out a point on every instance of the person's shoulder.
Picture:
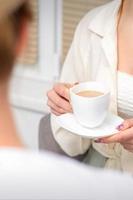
(97, 14)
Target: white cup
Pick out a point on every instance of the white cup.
(90, 111)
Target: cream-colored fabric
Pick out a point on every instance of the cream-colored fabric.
(125, 105)
(8, 6)
(93, 56)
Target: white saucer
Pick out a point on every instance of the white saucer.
(68, 122)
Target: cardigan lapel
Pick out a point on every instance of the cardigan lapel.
(104, 25)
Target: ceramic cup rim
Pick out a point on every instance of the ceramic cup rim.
(106, 93)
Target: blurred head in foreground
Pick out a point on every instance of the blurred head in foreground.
(14, 18)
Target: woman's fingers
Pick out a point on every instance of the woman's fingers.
(63, 90)
(55, 108)
(125, 133)
(58, 101)
(125, 138)
(125, 125)
(120, 137)
(55, 113)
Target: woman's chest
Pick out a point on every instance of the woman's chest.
(125, 51)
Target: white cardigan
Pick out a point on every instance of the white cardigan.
(93, 56)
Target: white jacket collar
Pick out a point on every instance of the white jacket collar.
(105, 20)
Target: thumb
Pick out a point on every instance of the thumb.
(68, 86)
(125, 125)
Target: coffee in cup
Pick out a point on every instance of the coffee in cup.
(90, 93)
(90, 103)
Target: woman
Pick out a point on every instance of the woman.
(28, 175)
(102, 50)
(14, 18)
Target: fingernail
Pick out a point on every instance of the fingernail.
(121, 126)
(98, 140)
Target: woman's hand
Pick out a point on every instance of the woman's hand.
(58, 99)
(124, 136)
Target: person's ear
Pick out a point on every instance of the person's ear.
(22, 38)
